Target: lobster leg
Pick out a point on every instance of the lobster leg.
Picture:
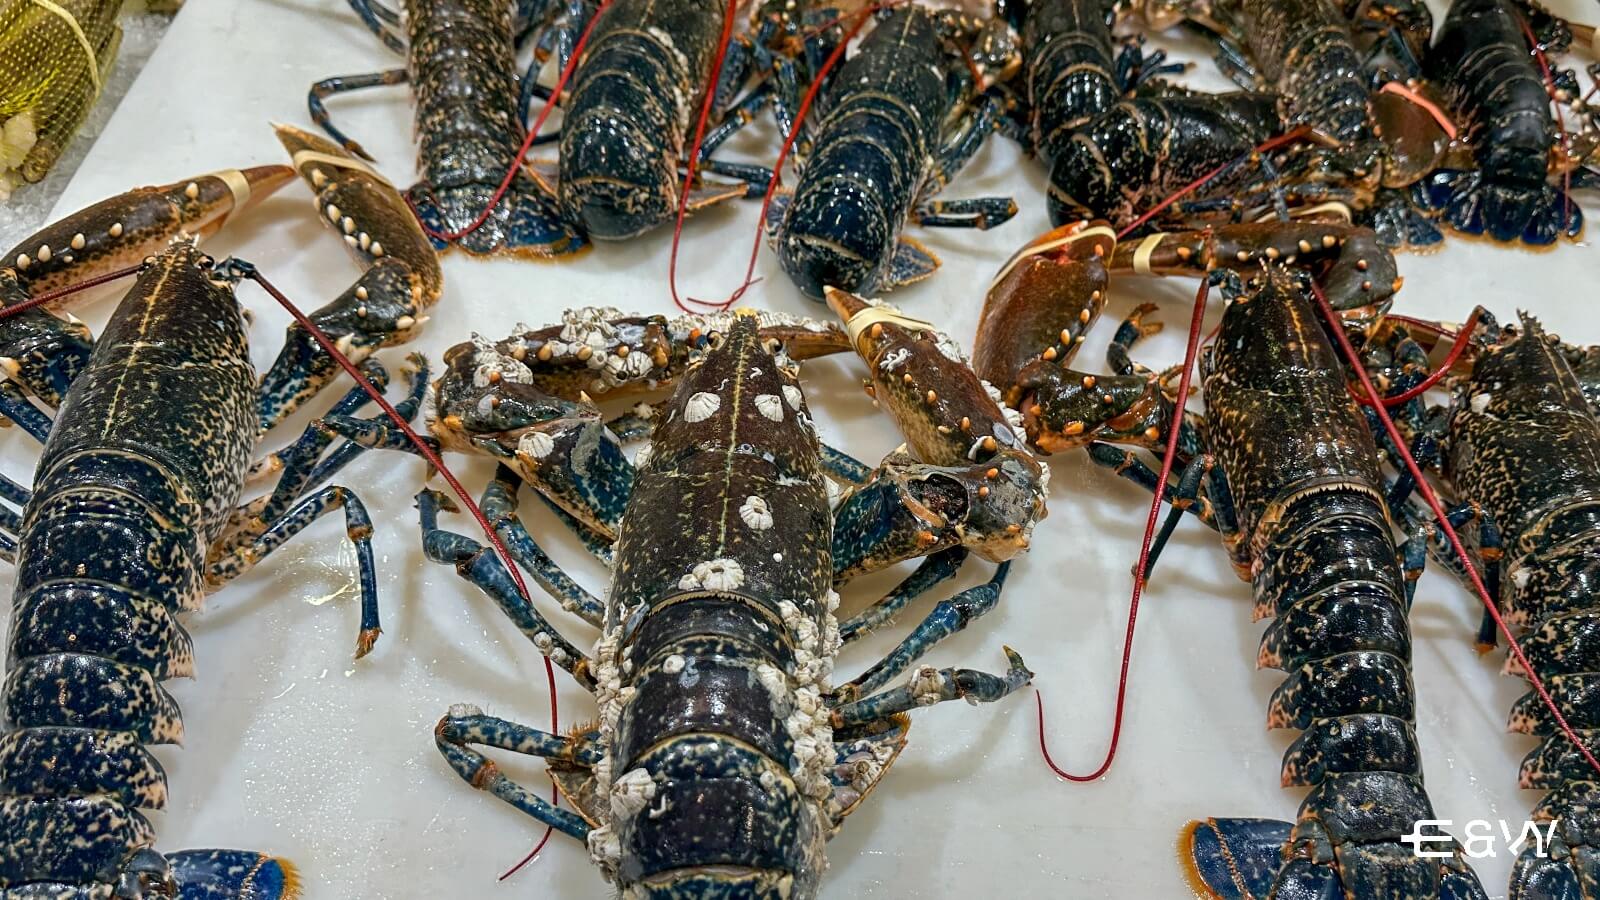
(933, 570)
(14, 405)
(358, 527)
(341, 84)
(499, 505)
(1128, 465)
(947, 618)
(929, 686)
(483, 568)
(965, 137)
(981, 213)
(467, 725)
(374, 14)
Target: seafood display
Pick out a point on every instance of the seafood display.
(748, 539)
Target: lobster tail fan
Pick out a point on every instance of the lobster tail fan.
(1233, 859)
(222, 874)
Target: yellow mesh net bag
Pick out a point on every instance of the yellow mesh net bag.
(53, 55)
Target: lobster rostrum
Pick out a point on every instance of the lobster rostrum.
(1285, 468)
(461, 64)
(1519, 447)
(899, 119)
(129, 522)
(712, 671)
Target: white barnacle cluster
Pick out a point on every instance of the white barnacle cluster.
(631, 793)
(756, 513)
(765, 318)
(816, 643)
(535, 444)
(713, 575)
(792, 396)
(588, 334)
(927, 686)
(862, 765)
(610, 696)
(491, 366)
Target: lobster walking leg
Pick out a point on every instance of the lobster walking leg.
(465, 726)
(476, 564)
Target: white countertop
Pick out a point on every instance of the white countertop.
(296, 750)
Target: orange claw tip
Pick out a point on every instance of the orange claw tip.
(843, 303)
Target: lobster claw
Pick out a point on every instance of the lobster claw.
(1043, 301)
(1063, 409)
(486, 405)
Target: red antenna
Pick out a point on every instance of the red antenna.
(1354, 359)
(1462, 341)
(1267, 146)
(1139, 572)
(860, 16)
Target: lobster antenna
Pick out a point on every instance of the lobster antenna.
(860, 16)
(1459, 347)
(1432, 499)
(49, 296)
(1266, 146)
(1139, 571)
(692, 163)
(429, 454)
(522, 152)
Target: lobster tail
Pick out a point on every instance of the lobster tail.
(467, 120)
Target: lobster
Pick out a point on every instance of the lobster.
(1481, 61)
(129, 522)
(1519, 445)
(1288, 472)
(718, 638)
(628, 114)
(1375, 143)
(461, 64)
(902, 116)
(1071, 69)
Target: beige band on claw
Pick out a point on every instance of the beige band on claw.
(77, 31)
(1145, 250)
(1047, 246)
(238, 186)
(875, 315)
(1338, 208)
(301, 157)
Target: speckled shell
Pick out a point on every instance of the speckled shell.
(1525, 444)
(1480, 58)
(722, 570)
(1067, 58)
(1302, 471)
(870, 155)
(1144, 149)
(1305, 51)
(146, 459)
(642, 74)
